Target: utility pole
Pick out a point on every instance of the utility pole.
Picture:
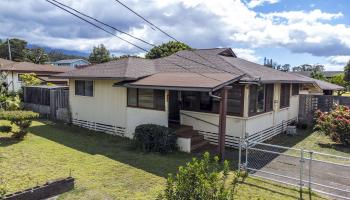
(9, 48)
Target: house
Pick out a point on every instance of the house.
(119, 95)
(14, 70)
(321, 87)
(327, 74)
(74, 63)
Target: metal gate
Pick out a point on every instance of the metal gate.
(314, 171)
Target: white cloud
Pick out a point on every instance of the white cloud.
(256, 3)
(338, 60)
(248, 54)
(200, 23)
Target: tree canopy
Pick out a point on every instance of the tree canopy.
(36, 55)
(18, 48)
(99, 54)
(166, 49)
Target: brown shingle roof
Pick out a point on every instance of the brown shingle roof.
(31, 67)
(185, 80)
(201, 61)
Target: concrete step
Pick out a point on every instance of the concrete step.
(196, 138)
(198, 145)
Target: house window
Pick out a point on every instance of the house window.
(260, 98)
(295, 89)
(84, 88)
(285, 95)
(202, 102)
(146, 98)
(20, 77)
(235, 100)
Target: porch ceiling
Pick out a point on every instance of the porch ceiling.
(185, 81)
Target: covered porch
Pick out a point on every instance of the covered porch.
(178, 94)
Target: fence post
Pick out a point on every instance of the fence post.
(246, 143)
(301, 173)
(310, 170)
(239, 153)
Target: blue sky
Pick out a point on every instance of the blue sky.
(288, 31)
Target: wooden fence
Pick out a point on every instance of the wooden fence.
(48, 101)
(308, 104)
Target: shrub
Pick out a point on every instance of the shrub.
(155, 138)
(22, 119)
(201, 179)
(335, 124)
(5, 129)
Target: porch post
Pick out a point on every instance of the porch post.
(222, 122)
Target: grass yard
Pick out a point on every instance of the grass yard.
(105, 167)
(315, 141)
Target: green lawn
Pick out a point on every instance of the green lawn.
(105, 167)
(315, 141)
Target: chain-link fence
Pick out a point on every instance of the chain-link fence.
(323, 173)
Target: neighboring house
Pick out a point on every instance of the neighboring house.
(322, 87)
(327, 74)
(117, 96)
(74, 63)
(14, 71)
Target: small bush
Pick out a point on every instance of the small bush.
(155, 138)
(335, 124)
(23, 119)
(5, 129)
(201, 179)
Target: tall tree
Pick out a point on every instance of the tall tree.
(166, 49)
(17, 47)
(339, 80)
(275, 65)
(99, 54)
(36, 55)
(347, 72)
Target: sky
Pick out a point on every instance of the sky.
(291, 32)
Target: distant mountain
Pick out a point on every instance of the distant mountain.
(63, 51)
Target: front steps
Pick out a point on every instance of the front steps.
(197, 140)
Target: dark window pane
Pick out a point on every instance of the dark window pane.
(285, 95)
(145, 98)
(89, 88)
(206, 103)
(252, 99)
(235, 100)
(295, 89)
(79, 87)
(260, 104)
(132, 97)
(190, 100)
(269, 97)
(159, 99)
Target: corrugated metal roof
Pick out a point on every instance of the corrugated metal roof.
(68, 61)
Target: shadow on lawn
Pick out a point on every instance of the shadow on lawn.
(289, 140)
(8, 141)
(113, 147)
(338, 147)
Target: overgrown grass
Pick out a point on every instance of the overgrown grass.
(104, 166)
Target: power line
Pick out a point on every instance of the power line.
(129, 41)
(112, 27)
(167, 34)
(98, 26)
(150, 23)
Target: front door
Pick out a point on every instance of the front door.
(174, 107)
